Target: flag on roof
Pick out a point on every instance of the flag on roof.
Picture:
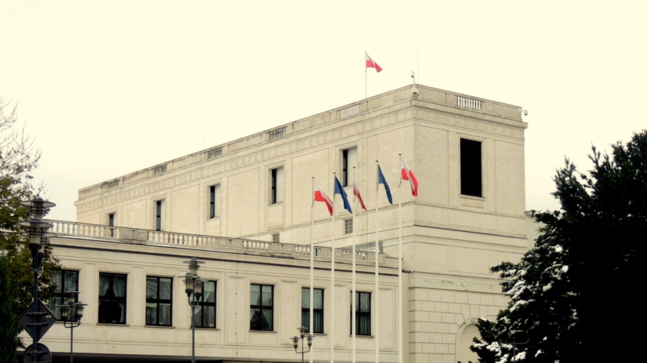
(370, 63)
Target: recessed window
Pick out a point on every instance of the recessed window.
(66, 281)
(112, 298)
(214, 194)
(159, 208)
(362, 313)
(159, 302)
(275, 237)
(205, 312)
(471, 168)
(348, 226)
(348, 160)
(317, 309)
(261, 313)
(111, 223)
(276, 185)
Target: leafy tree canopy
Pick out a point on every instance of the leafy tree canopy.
(18, 159)
(576, 296)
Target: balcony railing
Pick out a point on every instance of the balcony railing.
(240, 245)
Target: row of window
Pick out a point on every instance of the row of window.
(471, 180)
(159, 303)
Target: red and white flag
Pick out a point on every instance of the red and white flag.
(370, 63)
(407, 174)
(358, 195)
(320, 196)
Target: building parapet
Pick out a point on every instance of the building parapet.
(221, 244)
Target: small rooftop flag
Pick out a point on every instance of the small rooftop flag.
(407, 174)
(382, 180)
(320, 196)
(340, 190)
(370, 63)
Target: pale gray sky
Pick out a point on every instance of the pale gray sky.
(111, 87)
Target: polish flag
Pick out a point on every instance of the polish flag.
(358, 195)
(407, 174)
(370, 63)
(320, 196)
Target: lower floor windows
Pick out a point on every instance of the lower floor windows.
(159, 292)
(362, 313)
(261, 312)
(112, 298)
(317, 309)
(205, 312)
(67, 282)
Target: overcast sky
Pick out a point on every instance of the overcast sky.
(111, 87)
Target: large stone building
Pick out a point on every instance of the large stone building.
(245, 208)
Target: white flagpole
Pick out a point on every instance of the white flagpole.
(312, 265)
(332, 280)
(401, 356)
(365, 76)
(377, 272)
(354, 297)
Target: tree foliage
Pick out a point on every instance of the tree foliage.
(575, 296)
(18, 159)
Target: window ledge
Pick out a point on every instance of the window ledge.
(264, 331)
(159, 326)
(113, 324)
(472, 201)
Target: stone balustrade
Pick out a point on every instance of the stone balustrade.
(240, 245)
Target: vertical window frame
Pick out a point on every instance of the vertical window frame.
(203, 305)
(111, 223)
(471, 167)
(361, 315)
(257, 312)
(60, 296)
(318, 313)
(348, 226)
(157, 302)
(213, 201)
(159, 214)
(347, 154)
(276, 185)
(119, 300)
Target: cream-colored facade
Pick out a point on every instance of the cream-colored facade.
(467, 153)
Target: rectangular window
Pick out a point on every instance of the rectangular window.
(159, 300)
(275, 237)
(214, 192)
(205, 312)
(261, 313)
(471, 168)
(158, 214)
(317, 309)
(276, 185)
(112, 298)
(348, 226)
(348, 160)
(111, 223)
(362, 313)
(66, 281)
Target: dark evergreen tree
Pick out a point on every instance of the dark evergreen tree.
(9, 327)
(575, 296)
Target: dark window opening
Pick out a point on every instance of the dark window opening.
(158, 215)
(112, 298)
(261, 313)
(471, 168)
(159, 300)
(317, 310)
(362, 313)
(66, 281)
(205, 312)
(212, 201)
(274, 192)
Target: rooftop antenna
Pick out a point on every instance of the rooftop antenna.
(414, 89)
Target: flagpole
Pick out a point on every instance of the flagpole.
(365, 76)
(377, 273)
(312, 264)
(401, 356)
(332, 279)
(354, 297)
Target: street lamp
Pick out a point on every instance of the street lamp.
(36, 230)
(72, 314)
(295, 342)
(194, 287)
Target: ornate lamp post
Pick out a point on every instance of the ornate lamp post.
(295, 342)
(71, 315)
(194, 288)
(36, 230)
